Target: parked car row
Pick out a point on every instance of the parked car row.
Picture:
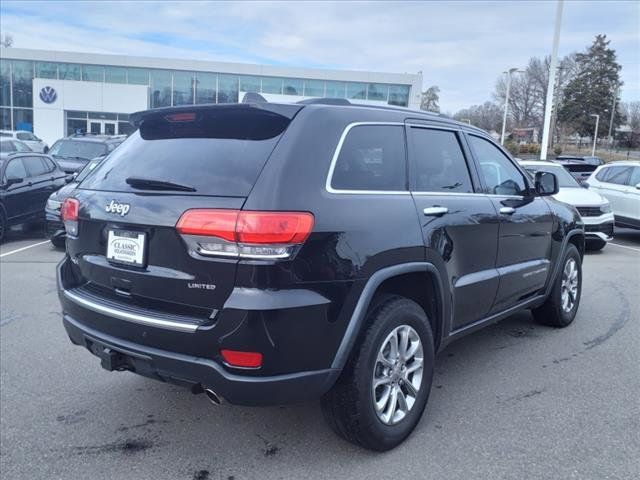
(27, 138)
(605, 195)
(28, 178)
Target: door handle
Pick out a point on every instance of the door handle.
(435, 211)
(507, 210)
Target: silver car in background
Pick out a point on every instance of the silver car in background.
(33, 142)
(594, 209)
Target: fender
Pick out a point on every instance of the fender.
(357, 317)
(556, 269)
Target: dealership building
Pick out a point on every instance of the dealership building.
(55, 94)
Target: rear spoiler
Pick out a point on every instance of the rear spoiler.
(283, 109)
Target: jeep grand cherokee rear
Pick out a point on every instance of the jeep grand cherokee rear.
(272, 253)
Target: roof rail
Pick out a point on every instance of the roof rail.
(325, 101)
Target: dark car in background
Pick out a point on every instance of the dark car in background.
(26, 181)
(74, 152)
(580, 167)
(54, 228)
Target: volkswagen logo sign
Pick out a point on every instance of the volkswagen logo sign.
(48, 94)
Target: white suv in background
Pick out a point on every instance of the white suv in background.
(619, 182)
(33, 142)
(593, 207)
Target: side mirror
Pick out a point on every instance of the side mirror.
(546, 183)
(70, 178)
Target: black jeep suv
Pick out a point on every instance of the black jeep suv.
(273, 253)
(74, 152)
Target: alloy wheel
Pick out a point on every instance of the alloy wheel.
(397, 375)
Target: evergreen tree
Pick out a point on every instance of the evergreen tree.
(592, 90)
(430, 99)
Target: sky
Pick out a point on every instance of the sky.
(460, 46)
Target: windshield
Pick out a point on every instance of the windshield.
(78, 148)
(565, 180)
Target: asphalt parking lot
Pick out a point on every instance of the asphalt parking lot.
(515, 400)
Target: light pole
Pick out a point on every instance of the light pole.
(595, 134)
(613, 112)
(551, 83)
(506, 103)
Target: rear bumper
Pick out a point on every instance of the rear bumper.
(149, 343)
(191, 371)
(54, 227)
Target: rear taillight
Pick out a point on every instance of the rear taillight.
(246, 234)
(240, 359)
(69, 215)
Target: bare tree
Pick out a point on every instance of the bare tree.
(7, 41)
(487, 116)
(631, 112)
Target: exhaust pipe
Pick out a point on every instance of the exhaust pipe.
(213, 397)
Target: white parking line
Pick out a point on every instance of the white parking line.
(23, 248)
(625, 246)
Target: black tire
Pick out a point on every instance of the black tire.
(595, 245)
(58, 242)
(552, 312)
(349, 406)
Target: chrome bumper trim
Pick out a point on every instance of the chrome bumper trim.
(130, 317)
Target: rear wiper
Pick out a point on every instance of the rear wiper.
(151, 184)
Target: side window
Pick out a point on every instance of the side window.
(440, 165)
(500, 175)
(603, 174)
(619, 175)
(22, 136)
(21, 147)
(634, 179)
(35, 166)
(7, 146)
(372, 157)
(48, 164)
(15, 169)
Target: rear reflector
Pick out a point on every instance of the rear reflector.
(69, 210)
(236, 358)
(246, 233)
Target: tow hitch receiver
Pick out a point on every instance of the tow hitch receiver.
(109, 359)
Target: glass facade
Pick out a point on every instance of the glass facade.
(183, 88)
(160, 91)
(206, 87)
(173, 87)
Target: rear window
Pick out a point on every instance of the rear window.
(78, 148)
(218, 152)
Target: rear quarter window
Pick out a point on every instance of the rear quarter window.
(371, 158)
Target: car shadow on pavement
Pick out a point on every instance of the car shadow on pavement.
(167, 418)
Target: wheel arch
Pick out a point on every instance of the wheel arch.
(389, 280)
(574, 237)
